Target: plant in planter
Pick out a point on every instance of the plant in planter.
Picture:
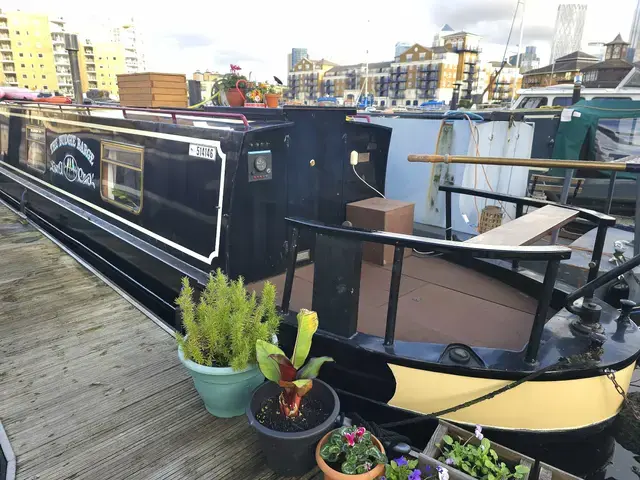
(352, 451)
(479, 461)
(293, 411)
(219, 347)
(256, 95)
(229, 83)
(403, 469)
(272, 96)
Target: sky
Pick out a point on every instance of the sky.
(257, 35)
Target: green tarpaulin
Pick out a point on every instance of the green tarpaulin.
(598, 130)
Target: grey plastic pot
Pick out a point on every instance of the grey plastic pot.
(225, 392)
(292, 453)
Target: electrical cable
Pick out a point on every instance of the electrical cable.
(365, 182)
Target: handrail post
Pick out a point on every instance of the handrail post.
(598, 247)
(394, 295)
(612, 186)
(519, 210)
(447, 212)
(531, 355)
(291, 270)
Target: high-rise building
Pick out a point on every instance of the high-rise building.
(297, 54)
(596, 49)
(633, 53)
(33, 54)
(402, 47)
(567, 34)
(438, 38)
(528, 59)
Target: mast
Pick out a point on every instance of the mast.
(519, 57)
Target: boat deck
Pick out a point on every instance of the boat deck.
(440, 302)
(90, 388)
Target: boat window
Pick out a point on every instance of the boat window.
(121, 175)
(534, 102)
(4, 139)
(36, 156)
(611, 98)
(563, 101)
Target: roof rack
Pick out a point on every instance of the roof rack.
(173, 113)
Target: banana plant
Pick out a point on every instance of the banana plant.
(295, 379)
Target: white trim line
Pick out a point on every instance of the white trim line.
(130, 224)
(7, 451)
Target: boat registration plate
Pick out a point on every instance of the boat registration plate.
(202, 151)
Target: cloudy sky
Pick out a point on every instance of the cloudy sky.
(257, 35)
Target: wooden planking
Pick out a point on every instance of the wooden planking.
(152, 76)
(148, 89)
(90, 388)
(155, 84)
(528, 228)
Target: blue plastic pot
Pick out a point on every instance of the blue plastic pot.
(225, 392)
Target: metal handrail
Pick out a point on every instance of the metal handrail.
(552, 252)
(174, 113)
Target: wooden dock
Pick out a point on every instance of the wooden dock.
(90, 388)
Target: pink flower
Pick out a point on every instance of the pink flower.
(360, 432)
(351, 438)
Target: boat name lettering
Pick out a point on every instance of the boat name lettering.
(68, 140)
(68, 168)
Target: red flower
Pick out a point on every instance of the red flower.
(360, 432)
(351, 438)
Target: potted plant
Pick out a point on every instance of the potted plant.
(422, 468)
(472, 455)
(294, 410)
(218, 349)
(350, 452)
(255, 95)
(230, 84)
(272, 96)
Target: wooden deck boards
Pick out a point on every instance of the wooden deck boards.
(90, 388)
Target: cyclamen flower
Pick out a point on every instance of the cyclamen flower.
(415, 475)
(478, 432)
(401, 461)
(360, 432)
(443, 473)
(351, 438)
(367, 466)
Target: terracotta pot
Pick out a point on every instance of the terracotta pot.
(235, 97)
(331, 474)
(272, 100)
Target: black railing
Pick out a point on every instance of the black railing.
(551, 254)
(602, 220)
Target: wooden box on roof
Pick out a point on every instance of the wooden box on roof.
(153, 90)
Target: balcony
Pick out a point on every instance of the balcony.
(93, 84)
(5, 47)
(91, 78)
(4, 26)
(57, 39)
(88, 50)
(7, 59)
(8, 69)
(11, 78)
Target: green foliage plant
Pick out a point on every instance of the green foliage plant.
(295, 378)
(479, 461)
(222, 328)
(354, 449)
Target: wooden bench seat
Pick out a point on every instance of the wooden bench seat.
(543, 185)
(528, 228)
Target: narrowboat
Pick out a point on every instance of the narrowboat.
(455, 328)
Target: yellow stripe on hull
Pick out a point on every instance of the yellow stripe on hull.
(558, 405)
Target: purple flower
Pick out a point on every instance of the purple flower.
(478, 432)
(427, 469)
(443, 473)
(383, 478)
(415, 475)
(449, 461)
(401, 461)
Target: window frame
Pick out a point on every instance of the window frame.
(4, 149)
(126, 147)
(26, 151)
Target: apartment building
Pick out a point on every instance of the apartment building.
(348, 82)
(34, 56)
(504, 83)
(305, 80)
(32, 51)
(100, 63)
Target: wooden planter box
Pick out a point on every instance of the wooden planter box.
(153, 90)
(506, 455)
(547, 472)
